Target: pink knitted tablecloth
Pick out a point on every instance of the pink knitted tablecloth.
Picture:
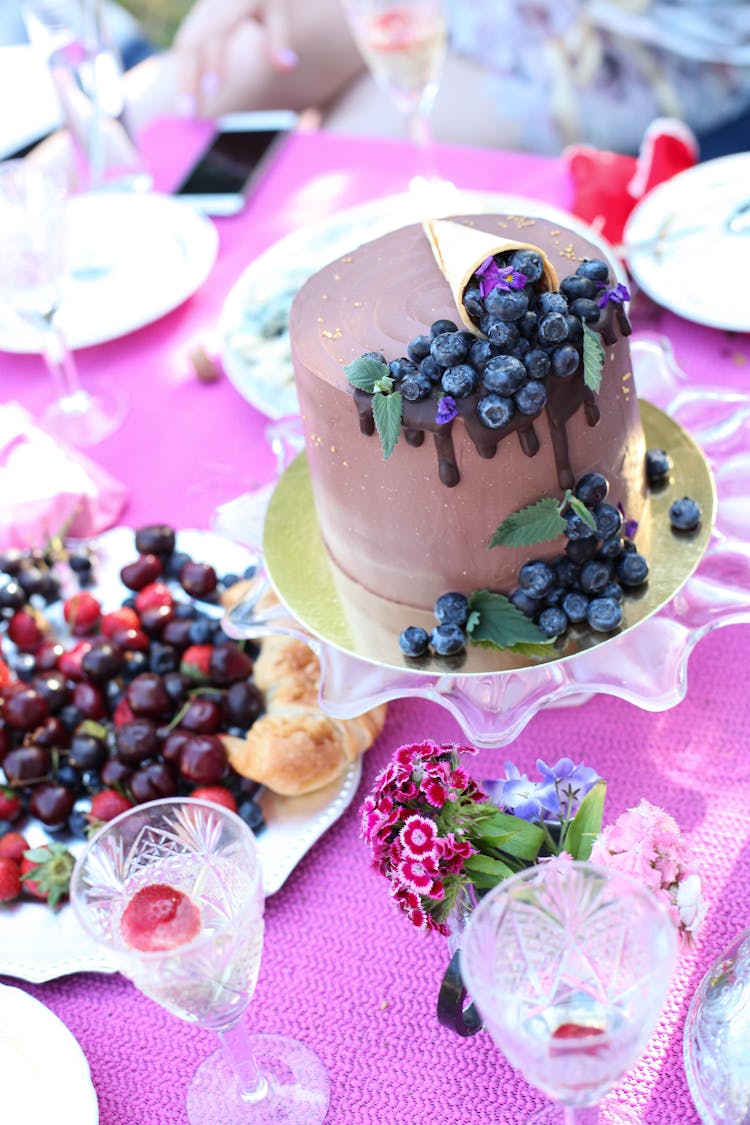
(341, 969)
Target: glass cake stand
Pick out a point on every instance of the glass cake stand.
(705, 583)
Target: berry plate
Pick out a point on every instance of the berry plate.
(38, 944)
(44, 1075)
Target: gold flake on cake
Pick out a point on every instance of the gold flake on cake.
(568, 252)
(335, 335)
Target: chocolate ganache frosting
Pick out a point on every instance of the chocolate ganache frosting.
(418, 524)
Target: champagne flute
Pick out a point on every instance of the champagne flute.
(569, 965)
(32, 273)
(173, 889)
(403, 43)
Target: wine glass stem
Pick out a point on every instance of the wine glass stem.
(420, 134)
(235, 1043)
(588, 1115)
(61, 365)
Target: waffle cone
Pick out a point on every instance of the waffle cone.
(460, 249)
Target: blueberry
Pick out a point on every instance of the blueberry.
(401, 367)
(608, 520)
(554, 596)
(473, 302)
(581, 550)
(595, 575)
(684, 514)
(452, 608)
(480, 353)
(575, 286)
(415, 387)
(431, 368)
(575, 606)
(551, 301)
(592, 489)
(611, 548)
(536, 578)
(566, 572)
(537, 363)
(613, 590)
(527, 262)
(24, 665)
(449, 348)
(604, 614)
(250, 811)
(378, 357)
(419, 347)
(577, 528)
(163, 658)
(552, 329)
(632, 569)
(176, 562)
(506, 304)
(414, 641)
(585, 309)
(658, 466)
(565, 361)
(202, 631)
(575, 330)
(504, 374)
(448, 639)
(594, 268)
(552, 621)
(495, 411)
(523, 601)
(79, 824)
(532, 398)
(527, 325)
(439, 326)
(501, 333)
(459, 381)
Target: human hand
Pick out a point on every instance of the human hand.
(202, 43)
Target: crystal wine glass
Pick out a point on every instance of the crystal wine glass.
(569, 966)
(173, 889)
(32, 276)
(403, 43)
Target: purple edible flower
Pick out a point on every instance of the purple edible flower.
(629, 526)
(516, 793)
(616, 296)
(565, 785)
(446, 410)
(491, 276)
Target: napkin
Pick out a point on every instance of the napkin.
(608, 185)
(47, 489)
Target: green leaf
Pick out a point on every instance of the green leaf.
(587, 823)
(593, 358)
(500, 624)
(363, 373)
(486, 872)
(386, 410)
(512, 834)
(541, 649)
(581, 510)
(535, 524)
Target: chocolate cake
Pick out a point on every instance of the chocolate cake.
(412, 522)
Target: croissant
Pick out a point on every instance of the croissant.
(295, 747)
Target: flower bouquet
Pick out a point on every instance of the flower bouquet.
(442, 840)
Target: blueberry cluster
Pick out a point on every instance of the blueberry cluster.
(449, 635)
(529, 333)
(587, 583)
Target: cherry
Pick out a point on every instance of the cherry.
(154, 618)
(25, 709)
(50, 734)
(146, 695)
(5, 740)
(52, 803)
(12, 595)
(114, 772)
(176, 686)
(103, 661)
(198, 579)
(174, 743)
(136, 741)
(26, 763)
(90, 700)
(54, 688)
(155, 594)
(243, 704)
(129, 639)
(202, 715)
(229, 664)
(177, 632)
(203, 759)
(71, 661)
(87, 752)
(154, 780)
(82, 612)
(155, 539)
(122, 618)
(48, 654)
(145, 569)
(27, 629)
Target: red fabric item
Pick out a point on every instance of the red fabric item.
(607, 185)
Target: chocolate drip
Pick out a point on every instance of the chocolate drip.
(414, 437)
(363, 402)
(446, 455)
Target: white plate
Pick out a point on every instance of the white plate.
(133, 257)
(38, 944)
(254, 319)
(44, 1075)
(679, 248)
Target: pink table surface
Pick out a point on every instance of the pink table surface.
(341, 970)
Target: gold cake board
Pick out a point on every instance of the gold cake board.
(342, 613)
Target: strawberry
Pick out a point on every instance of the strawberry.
(196, 661)
(46, 871)
(6, 676)
(82, 613)
(217, 794)
(10, 879)
(10, 804)
(122, 618)
(159, 917)
(27, 629)
(106, 805)
(13, 845)
(153, 596)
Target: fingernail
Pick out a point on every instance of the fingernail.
(286, 58)
(185, 105)
(210, 83)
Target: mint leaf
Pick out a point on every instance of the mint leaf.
(384, 385)
(581, 510)
(500, 624)
(535, 524)
(593, 358)
(386, 410)
(364, 373)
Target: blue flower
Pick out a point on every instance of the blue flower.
(564, 786)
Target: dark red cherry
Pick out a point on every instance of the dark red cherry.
(154, 780)
(26, 763)
(25, 709)
(146, 695)
(203, 759)
(137, 740)
(52, 804)
(202, 715)
(145, 569)
(198, 579)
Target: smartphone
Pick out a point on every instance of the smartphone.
(220, 180)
